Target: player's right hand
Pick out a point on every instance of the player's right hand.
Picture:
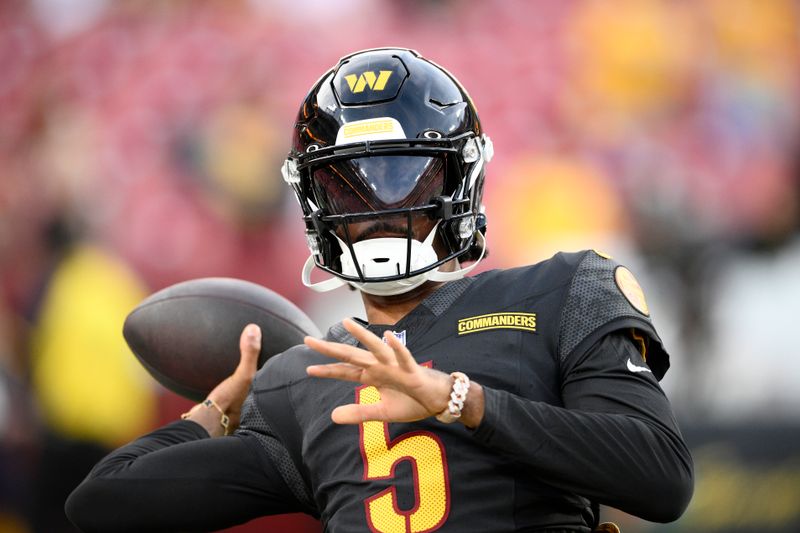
(230, 394)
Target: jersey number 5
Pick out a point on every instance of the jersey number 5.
(431, 484)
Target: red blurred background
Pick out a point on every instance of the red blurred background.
(140, 143)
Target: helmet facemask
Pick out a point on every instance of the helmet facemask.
(381, 214)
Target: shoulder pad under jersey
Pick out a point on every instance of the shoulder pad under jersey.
(602, 297)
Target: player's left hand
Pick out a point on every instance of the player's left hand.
(408, 390)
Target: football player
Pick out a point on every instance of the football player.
(512, 400)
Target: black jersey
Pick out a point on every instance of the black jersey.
(569, 362)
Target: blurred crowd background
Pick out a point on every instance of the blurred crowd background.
(140, 142)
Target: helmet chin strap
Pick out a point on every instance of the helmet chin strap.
(438, 275)
(321, 286)
(390, 246)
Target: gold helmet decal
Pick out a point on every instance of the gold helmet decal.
(369, 78)
(358, 83)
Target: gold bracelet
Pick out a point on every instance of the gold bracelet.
(224, 420)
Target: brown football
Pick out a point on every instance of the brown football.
(187, 335)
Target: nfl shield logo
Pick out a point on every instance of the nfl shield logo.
(401, 335)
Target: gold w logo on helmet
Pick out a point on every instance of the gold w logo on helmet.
(366, 79)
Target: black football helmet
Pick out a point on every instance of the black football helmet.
(388, 144)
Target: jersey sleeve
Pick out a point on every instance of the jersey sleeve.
(614, 440)
(178, 479)
(268, 415)
(270, 444)
(603, 297)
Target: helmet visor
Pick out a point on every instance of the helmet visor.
(368, 184)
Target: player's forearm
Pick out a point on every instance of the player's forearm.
(124, 458)
(177, 479)
(472, 413)
(104, 501)
(614, 459)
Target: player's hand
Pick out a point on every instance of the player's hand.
(408, 391)
(230, 394)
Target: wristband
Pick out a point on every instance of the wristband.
(458, 396)
(224, 420)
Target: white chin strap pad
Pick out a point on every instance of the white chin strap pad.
(387, 257)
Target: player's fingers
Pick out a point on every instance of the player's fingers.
(342, 352)
(369, 340)
(342, 371)
(401, 353)
(356, 413)
(249, 346)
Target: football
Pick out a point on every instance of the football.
(187, 335)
